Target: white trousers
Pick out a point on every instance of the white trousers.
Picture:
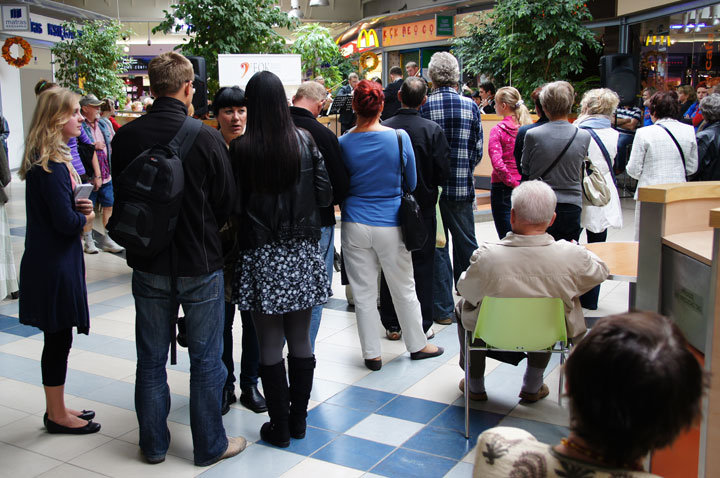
(363, 247)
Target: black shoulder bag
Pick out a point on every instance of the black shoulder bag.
(411, 221)
(557, 160)
(682, 155)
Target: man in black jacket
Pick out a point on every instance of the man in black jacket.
(432, 157)
(195, 267)
(307, 104)
(392, 103)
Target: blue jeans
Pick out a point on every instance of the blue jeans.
(202, 300)
(500, 206)
(458, 219)
(250, 358)
(327, 248)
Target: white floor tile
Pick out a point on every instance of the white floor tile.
(10, 415)
(312, 467)
(70, 471)
(440, 385)
(112, 328)
(115, 421)
(16, 462)
(103, 365)
(382, 429)
(23, 396)
(29, 434)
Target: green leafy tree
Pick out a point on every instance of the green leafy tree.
(319, 53)
(227, 26)
(90, 60)
(527, 42)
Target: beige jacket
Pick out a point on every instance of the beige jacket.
(530, 266)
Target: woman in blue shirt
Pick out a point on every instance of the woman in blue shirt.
(371, 236)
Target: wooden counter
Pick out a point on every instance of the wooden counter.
(697, 245)
(620, 257)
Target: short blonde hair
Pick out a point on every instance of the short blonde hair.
(311, 90)
(168, 72)
(44, 142)
(599, 102)
(557, 99)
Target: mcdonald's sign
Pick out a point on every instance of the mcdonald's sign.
(367, 39)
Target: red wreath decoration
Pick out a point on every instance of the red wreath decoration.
(20, 61)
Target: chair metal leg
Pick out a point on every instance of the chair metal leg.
(562, 376)
(467, 384)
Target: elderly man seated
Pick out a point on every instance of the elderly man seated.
(527, 263)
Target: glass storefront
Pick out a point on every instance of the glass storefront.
(678, 49)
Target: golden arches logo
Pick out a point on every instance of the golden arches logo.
(367, 39)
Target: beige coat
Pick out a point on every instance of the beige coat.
(530, 266)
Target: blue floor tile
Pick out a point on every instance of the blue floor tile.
(544, 432)
(122, 301)
(442, 441)
(454, 419)
(411, 464)
(354, 452)
(334, 418)
(101, 309)
(412, 409)
(315, 439)
(100, 285)
(18, 231)
(461, 470)
(20, 368)
(7, 321)
(11, 308)
(360, 398)
(22, 331)
(83, 384)
(399, 374)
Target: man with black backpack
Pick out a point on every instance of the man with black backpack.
(174, 188)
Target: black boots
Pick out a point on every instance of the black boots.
(287, 406)
(301, 380)
(277, 397)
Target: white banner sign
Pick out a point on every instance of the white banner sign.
(238, 69)
(15, 18)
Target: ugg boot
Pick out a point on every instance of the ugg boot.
(301, 380)
(275, 385)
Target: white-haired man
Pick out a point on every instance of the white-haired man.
(459, 117)
(528, 262)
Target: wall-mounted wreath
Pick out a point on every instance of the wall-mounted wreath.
(22, 60)
(369, 55)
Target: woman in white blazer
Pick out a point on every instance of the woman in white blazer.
(665, 152)
(596, 108)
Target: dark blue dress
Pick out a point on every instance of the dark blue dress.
(53, 295)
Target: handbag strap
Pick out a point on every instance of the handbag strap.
(682, 155)
(402, 163)
(602, 147)
(557, 160)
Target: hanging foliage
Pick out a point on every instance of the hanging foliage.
(90, 59)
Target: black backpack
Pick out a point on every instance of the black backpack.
(149, 193)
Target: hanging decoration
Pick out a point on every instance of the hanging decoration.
(22, 60)
(369, 55)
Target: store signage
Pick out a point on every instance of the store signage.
(709, 52)
(44, 28)
(445, 25)
(138, 64)
(416, 32)
(238, 69)
(367, 39)
(15, 18)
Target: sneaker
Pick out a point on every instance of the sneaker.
(534, 397)
(111, 246)
(476, 397)
(235, 446)
(444, 320)
(89, 247)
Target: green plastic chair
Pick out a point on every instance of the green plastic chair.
(517, 325)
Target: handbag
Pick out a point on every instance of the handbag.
(596, 191)
(411, 221)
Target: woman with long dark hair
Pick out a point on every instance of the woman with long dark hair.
(371, 228)
(280, 274)
(52, 271)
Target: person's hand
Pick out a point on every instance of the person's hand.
(99, 145)
(84, 206)
(96, 182)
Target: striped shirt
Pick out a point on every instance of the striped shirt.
(459, 118)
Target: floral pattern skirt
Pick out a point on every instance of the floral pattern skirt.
(281, 276)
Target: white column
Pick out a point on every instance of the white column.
(12, 111)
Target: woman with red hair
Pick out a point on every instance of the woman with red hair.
(371, 228)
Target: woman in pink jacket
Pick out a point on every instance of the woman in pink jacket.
(505, 176)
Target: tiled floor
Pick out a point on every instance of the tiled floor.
(404, 421)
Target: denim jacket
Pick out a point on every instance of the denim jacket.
(107, 132)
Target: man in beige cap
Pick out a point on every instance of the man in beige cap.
(101, 132)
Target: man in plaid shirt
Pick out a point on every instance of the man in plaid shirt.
(459, 117)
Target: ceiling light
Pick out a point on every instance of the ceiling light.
(319, 3)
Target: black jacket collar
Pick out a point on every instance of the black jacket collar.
(167, 104)
(296, 110)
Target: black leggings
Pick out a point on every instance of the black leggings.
(273, 329)
(55, 357)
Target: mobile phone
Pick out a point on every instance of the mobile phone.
(82, 191)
